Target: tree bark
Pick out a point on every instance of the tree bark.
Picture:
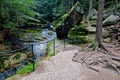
(99, 22)
(116, 3)
(72, 2)
(90, 6)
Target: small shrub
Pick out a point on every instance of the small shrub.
(27, 69)
(78, 30)
(78, 34)
(1, 62)
(78, 40)
(51, 54)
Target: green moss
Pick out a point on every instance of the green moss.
(80, 9)
(63, 18)
(77, 4)
(59, 24)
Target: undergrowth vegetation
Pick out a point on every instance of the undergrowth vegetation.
(49, 52)
(27, 69)
(78, 34)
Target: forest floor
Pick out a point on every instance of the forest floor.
(59, 45)
(62, 67)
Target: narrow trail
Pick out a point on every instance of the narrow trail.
(59, 67)
(62, 67)
(59, 45)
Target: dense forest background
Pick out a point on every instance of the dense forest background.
(94, 24)
(16, 13)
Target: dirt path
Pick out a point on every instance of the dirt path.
(59, 44)
(61, 67)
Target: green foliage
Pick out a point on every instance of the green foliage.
(62, 19)
(33, 30)
(9, 24)
(51, 10)
(44, 7)
(118, 6)
(78, 39)
(16, 12)
(78, 30)
(51, 54)
(78, 34)
(65, 16)
(63, 7)
(48, 48)
(27, 69)
(1, 62)
(17, 56)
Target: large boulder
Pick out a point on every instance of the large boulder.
(110, 20)
(69, 20)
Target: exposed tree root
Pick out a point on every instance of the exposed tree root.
(92, 68)
(98, 55)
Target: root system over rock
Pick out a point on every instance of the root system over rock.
(99, 55)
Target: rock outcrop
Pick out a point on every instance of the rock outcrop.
(110, 20)
(69, 20)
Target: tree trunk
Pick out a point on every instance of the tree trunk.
(62, 3)
(116, 3)
(72, 3)
(99, 22)
(90, 6)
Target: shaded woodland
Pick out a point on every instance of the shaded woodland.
(74, 20)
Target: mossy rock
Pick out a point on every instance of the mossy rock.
(73, 17)
(62, 19)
